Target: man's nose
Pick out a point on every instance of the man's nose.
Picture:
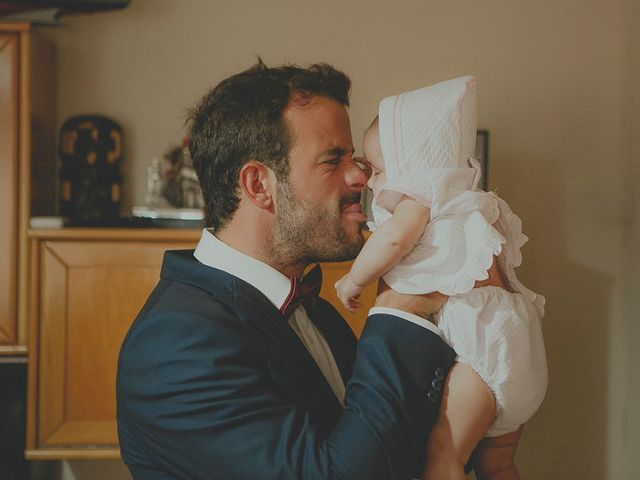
(358, 174)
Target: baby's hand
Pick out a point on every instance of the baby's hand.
(348, 293)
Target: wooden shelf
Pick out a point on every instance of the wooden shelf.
(86, 452)
(130, 234)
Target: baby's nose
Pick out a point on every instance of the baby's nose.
(370, 182)
(364, 165)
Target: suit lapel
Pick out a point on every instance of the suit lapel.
(311, 382)
(267, 317)
(251, 304)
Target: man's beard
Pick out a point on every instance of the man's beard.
(305, 232)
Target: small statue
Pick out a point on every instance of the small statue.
(155, 185)
(181, 188)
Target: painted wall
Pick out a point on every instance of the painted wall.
(558, 91)
(629, 426)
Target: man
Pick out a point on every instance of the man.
(223, 375)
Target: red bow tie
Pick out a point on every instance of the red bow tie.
(303, 291)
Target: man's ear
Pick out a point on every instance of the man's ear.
(258, 183)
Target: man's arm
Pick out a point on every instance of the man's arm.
(421, 305)
(197, 398)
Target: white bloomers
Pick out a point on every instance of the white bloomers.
(498, 334)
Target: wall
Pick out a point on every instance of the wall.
(629, 427)
(557, 91)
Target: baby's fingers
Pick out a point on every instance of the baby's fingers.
(354, 305)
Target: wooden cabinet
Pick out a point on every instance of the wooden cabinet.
(86, 288)
(331, 273)
(27, 163)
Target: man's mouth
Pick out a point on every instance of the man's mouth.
(350, 200)
(352, 208)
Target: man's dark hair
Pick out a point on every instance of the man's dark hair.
(242, 119)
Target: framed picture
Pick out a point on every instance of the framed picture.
(482, 154)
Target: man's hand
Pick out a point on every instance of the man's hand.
(421, 305)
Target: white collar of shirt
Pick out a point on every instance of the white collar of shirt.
(409, 317)
(213, 252)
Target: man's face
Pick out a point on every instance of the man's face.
(318, 211)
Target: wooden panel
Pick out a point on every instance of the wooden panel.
(89, 294)
(331, 273)
(26, 129)
(9, 44)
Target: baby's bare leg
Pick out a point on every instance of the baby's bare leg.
(467, 411)
(494, 457)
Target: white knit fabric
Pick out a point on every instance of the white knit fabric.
(428, 142)
(498, 334)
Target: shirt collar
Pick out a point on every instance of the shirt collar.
(213, 252)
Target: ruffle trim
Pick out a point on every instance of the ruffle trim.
(511, 226)
(480, 248)
(434, 188)
(490, 229)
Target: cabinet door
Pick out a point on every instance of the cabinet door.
(331, 273)
(8, 187)
(89, 294)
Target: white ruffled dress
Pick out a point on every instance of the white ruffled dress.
(427, 138)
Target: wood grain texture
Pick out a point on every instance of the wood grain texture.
(9, 103)
(331, 273)
(90, 292)
(27, 123)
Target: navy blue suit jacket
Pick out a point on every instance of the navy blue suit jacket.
(213, 383)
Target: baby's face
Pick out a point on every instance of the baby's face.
(373, 155)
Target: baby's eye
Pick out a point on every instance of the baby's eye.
(363, 165)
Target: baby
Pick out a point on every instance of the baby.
(434, 231)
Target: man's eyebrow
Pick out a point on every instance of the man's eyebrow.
(338, 152)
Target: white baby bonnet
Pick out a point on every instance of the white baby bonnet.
(428, 144)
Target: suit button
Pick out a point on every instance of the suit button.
(440, 373)
(437, 384)
(432, 395)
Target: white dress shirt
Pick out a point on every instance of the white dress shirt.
(213, 252)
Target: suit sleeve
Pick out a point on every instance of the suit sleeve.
(198, 402)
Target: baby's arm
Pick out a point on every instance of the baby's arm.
(386, 246)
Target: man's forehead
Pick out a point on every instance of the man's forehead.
(324, 119)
